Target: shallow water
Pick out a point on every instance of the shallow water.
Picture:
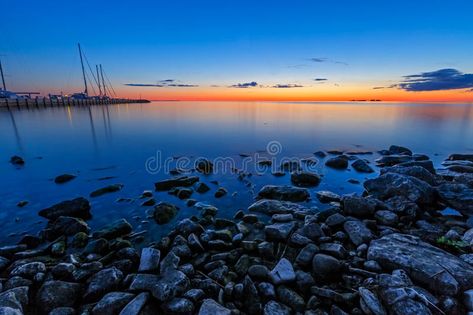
(129, 142)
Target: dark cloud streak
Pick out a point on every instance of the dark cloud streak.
(439, 80)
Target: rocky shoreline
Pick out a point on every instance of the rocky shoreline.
(389, 251)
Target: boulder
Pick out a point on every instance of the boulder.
(112, 303)
(357, 232)
(54, 294)
(305, 179)
(77, 208)
(64, 178)
(460, 157)
(457, 196)
(164, 212)
(183, 181)
(362, 166)
(106, 190)
(438, 270)
(149, 260)
(279, 231)
(286, 193)
(275, 308)
(113, 230)
(103, 282)
(210, 307)
(414, 171)
(283, 272)
(270, 207)
(338, 162)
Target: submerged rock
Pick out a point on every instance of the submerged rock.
(64, 178)
(305, 179)
(361, 166)
(77, 208)
(106, 190)
(286, 193)
(183, 181)
(115, 229)
(438, 270)
(164, 212)
(17, 160)
(338, 162)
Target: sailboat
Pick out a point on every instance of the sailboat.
(83, 95)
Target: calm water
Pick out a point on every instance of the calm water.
(117, 141)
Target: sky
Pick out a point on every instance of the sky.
(244, 50)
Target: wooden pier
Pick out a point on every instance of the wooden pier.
(48, 102)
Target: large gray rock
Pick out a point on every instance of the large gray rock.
(286, 193)
(460, 157)
(305, 179)
(16, 299)
(112, 303)
(392, 184)
(102, 282)
(414, 171)
(279, 231)
(210, 307)
(357, 232)
(370, 303)
(283, 272)
(28, 270)
(115, 229)
(270, 207)
(172, 284)
(77, 208)
(457, 196)
(149, 260)
(438, 270)
(54, 294)
(275, 308)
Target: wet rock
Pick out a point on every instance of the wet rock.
(279, 231)
(210, 307)
(22, 203)
(4, 262)
(286, 193)
(357, 232)
(143, 282)
(106, 190)
(390, 160)
(183, 193)
(460, 157)
(183, 181)
(202, 188)
(17, 160)
(54, 294)
(338, 162)
(392, 184)
(63, 311)
(15, 299)
(204, 166)
(164, 212)
(178, 306)
(64, 178)
(112, 303)
(414, 171)
(396, 149)
(275, 308)
(438, 270)
(325, 196)
(80, 240)
(291, 298)
(335, 220)
(283, 272)
(63, 271)
(68, 226)
(428, 165)
(312, 231)
(103, 282)
(305, 179)
(457, 196)
(270, 207)
(173, 283)
(99, 246)
(333, 249)
(370, 303)
(149, 260)
(326, 266)
(361, 166)
(305, 256)
(220, 192)
(28, 270)
(358, 206)
(77, 208)
(113, 230)
(468, 299)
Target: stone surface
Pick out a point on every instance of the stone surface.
(279, 231)
(457, 196)
(357, 232)
(362, 167)
(113, 230)
(112, 303)
(183, 181)
(164, 212)
(78, 208)
(54, 294)
(283, 272)
(275, 308)
(103, 282)
(305, 179)
(210, 307)
(106, 190)
(270, 207)
(286, 193)
(149, 260)
(438, 270)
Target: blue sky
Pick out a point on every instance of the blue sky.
(364, 43)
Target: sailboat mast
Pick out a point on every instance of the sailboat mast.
(103, 81)
(83, 71)
(3, 78)
(98, 79)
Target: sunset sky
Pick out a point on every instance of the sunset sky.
(245, 50)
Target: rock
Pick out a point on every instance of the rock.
(28, 270)
(312, 231)
(361, 166)
(183, 181)
(194, 295)
(22, 203)
(305, 179)
(64, 178)
(457, 196)
(210, 307)
(113, 230)
(460, 157)
(103, 282)
(414, 171)
(279, 231)
(143, 282)
(335, 220)
(63, 270)
(68, 226)
(386, 217)
(178, 306)
(325, 196)
(286, 193)
(173, 283)
(291, 298)
(54, 294)
(305, 256)
(80, 240)
(270, 207)
(204, 166)
(5, 310)
(220, 192)
(338, 162)
(333, 249)
(17, 160)
(4, 262)
(468, 299)
(357, 232)
(149, 260)
(258, 272)
(283, 272)
(183, 193)
(164, 212)
(438, 270)
(266, 290)
(63, 311)
(186, 227)
(112, 303)
(275, 308)
(15, 299)
(358, 206)
(370, 303)
(428, 165)
(390, 160)
(202, 188)
(395, 149)
(99, 246)
(106, 190)
(326, 266)
(391, 184)
(77, 208)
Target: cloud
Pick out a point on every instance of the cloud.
(162, 83)
(379, 87)
(244, 85)
(323, 59)
(439, 80)
(143, 85)
(168, 80)
(320, 79)
(182, 85)
(286, 86)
